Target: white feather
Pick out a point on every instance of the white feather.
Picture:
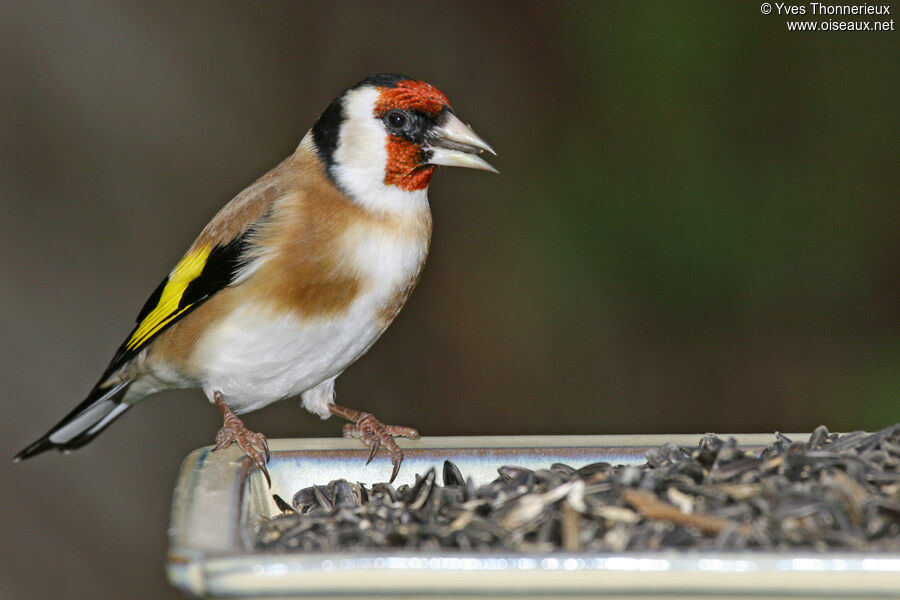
(115, 412)
(319, 398)
(89, 417)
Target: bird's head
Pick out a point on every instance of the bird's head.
(382, 139)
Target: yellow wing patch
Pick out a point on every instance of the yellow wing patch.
(187, 270)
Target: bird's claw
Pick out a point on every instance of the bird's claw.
(375, 443)
(374, 434)
(395, 460)
(255, 445)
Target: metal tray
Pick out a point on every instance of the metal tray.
(218, 499)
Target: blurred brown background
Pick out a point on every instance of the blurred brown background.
(696, 228)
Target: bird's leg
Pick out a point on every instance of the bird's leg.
(233, 430)
(363, 426)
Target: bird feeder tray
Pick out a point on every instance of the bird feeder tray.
(220, 497)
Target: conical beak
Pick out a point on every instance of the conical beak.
(452, 143)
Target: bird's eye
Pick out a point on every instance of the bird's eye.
(397, 120)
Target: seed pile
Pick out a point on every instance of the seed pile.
(830, 492)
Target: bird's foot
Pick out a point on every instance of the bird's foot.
(255, 445)
(375, 435)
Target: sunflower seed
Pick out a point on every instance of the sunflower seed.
(830, 492)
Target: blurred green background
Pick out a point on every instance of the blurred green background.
(696, 229)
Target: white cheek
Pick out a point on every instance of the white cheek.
(361, 157)
(361, 153)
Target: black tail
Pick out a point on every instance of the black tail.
(103, 406)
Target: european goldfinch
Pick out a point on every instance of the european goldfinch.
(297, 276)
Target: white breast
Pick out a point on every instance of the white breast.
(257, 356)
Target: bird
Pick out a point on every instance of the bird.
(296, 277)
